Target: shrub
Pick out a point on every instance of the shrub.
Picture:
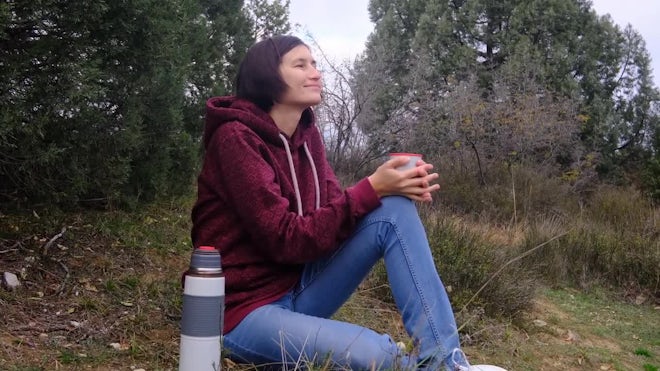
(465, 263)
(614, 242)
(535, 194)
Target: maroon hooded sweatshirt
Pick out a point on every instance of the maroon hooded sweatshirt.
(268, 202)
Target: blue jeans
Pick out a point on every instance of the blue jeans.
(297, 328)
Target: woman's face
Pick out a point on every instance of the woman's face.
(303, 80)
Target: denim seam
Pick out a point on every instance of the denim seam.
(246, 350)
(251, 352)
(369, 221)
(427, 309)
(366, 223)
(404, 247)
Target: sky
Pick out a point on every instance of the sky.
(341, 27)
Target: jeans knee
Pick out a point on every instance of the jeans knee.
(397, 206)
(378, 352)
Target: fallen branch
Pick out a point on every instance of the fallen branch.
(66, 278)
(44, 251)
(39, 329)
(18, 244)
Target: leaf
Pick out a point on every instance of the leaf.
(90, 287)
(119, 346)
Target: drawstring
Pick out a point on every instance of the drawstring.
(293, 173)
(295, 178)
(317, 188)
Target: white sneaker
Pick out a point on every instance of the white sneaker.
(485, 368)
(461, 363)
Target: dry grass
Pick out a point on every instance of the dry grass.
(106, 296)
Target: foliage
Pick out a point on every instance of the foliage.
(116, 274)
(614, 242)
(466, 262)
(268, 17)
(103, 101)
(434, 69)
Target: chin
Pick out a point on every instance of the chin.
(317, 100)
(310, 103)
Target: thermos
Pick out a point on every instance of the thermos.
(203, 312)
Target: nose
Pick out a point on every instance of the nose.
(316, 74)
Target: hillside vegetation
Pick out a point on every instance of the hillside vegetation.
(540, 116)
(101, 289)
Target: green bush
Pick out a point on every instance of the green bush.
(615, 241)
(471, 266)
(466, 263)
(535, 194)
(104, 106)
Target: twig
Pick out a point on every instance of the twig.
(66, 278)
(40, 329)
(507, 264)
(16, 246)
(8, 250)
(52, 240)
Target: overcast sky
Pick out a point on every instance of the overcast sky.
(341, 26)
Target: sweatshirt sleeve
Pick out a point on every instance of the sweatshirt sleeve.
(250, 184)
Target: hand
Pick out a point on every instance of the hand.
(413, 183)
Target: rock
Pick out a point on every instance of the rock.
(572, 337)
(10, 281)
(539, 323)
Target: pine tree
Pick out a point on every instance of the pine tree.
(103, 101)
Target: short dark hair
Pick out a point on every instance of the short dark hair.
(258, 78)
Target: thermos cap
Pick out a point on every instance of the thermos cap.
(206, 259)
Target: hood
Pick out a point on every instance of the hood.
(220, 110)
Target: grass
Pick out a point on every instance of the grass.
(596, 329)
(106, 295)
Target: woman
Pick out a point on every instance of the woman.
(295, 245)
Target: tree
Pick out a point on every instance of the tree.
(219, 36)
(269, 17)
(102, 101)
(628, 137)
(346, 145)
(424, 52)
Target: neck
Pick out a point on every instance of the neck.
(286, 118)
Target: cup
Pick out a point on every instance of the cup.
(414, 157)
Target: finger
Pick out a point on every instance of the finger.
(419, 171)
(419, 191)
(423, 198)
(423, 170)
(424, 181)
(416, 185)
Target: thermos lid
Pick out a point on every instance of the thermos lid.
(206, 258)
